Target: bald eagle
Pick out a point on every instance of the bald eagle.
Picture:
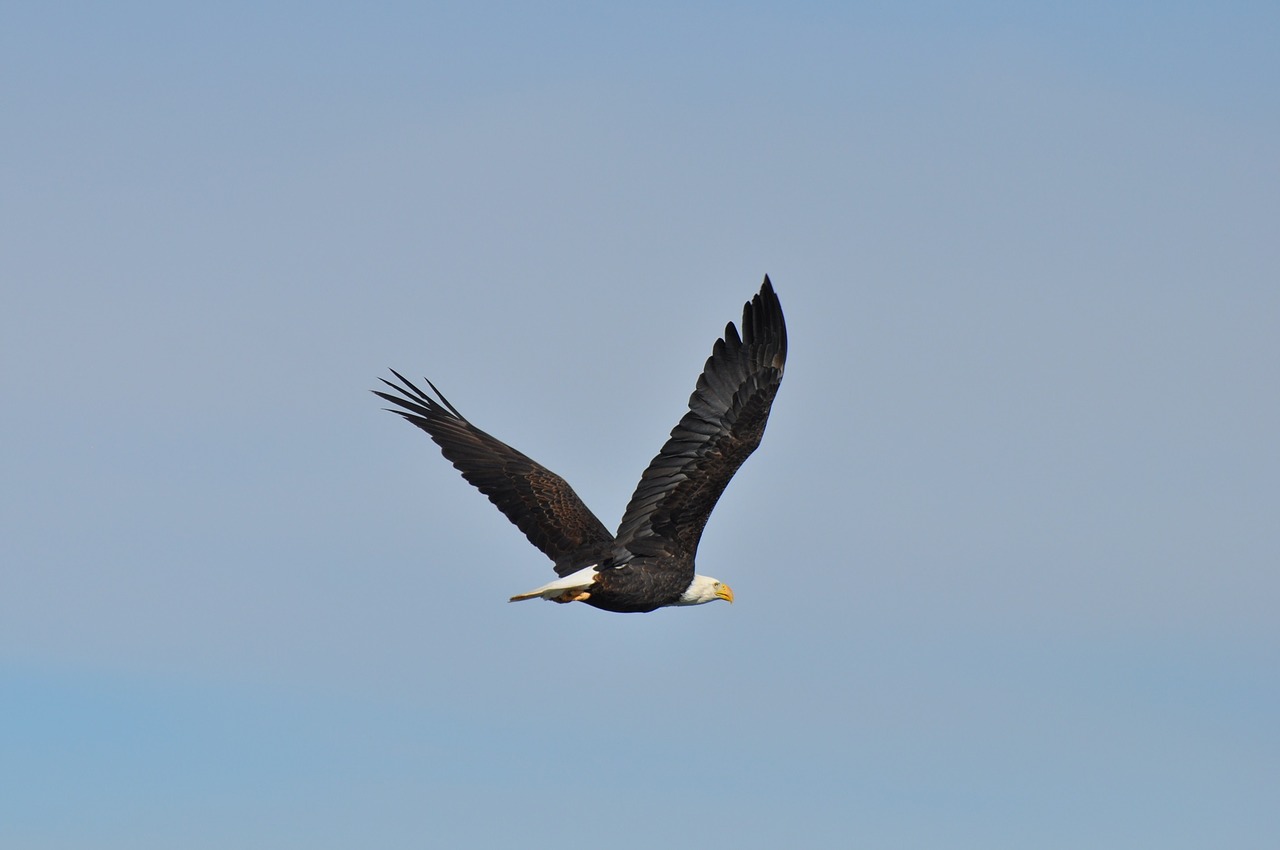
(648, 564)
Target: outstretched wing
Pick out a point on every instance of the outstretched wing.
(726, 419)
(539, 502)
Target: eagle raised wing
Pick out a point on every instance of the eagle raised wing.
(726, 419)
(539, 502)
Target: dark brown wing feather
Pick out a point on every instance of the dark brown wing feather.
(726, 419)
(539, 502)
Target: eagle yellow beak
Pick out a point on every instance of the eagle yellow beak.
(725, 593)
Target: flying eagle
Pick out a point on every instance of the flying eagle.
(648, 564)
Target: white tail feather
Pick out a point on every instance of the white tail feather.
(581, 580)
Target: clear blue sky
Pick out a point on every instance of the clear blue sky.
(1008, 561)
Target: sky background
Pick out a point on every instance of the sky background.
(1007, 564)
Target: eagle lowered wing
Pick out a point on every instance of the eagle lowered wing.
(726, 420)
(539, 502)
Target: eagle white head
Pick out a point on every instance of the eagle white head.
(705, 589)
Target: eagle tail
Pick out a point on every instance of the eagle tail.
(574, 587)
